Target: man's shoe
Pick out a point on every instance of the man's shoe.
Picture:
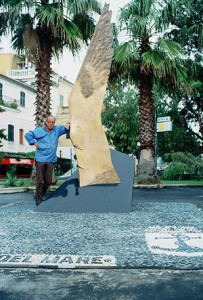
(37, 202)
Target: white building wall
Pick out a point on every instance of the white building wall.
(54, 99)
(16, 78)
(21, 118)
(60, 87)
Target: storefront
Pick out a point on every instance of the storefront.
(22, 168)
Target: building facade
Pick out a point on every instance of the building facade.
(17, 98)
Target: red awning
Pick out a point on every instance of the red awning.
(13, 161)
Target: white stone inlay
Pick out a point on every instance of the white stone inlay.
(59, 261)
(171, 240)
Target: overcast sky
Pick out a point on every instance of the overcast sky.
(69, 66)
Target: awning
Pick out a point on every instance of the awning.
(14, 161)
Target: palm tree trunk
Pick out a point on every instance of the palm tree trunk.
(146, 165)
(43, 97)
(43, 81)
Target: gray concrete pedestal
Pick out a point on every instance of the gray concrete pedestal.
(70, 197)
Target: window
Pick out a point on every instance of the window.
(61, 103)
(1, 90)
(21, 134)
(22, 99)
(10, 133)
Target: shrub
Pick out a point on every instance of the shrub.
(13, 105)
(183, 166)
(175, 171)
(10, 180)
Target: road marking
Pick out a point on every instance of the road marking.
(57, 261)
(171, 240)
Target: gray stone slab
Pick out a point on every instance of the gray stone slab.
(70, 197)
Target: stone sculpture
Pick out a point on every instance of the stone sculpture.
(86, 102)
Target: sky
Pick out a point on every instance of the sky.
(68, 66)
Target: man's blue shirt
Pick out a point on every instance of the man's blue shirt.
(47, 142)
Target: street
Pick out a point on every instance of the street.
(153, 252)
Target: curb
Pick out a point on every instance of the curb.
(11, 190)
(160, 186)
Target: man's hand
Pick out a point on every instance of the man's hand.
(36, 146)
(67, 125)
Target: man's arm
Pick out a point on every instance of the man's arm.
(30, 137)
(63, 129)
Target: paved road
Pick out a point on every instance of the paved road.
(158, 248)
(133, 284)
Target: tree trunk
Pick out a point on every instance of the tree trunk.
(43, 81)
(147, 164)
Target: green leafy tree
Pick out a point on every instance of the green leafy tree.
(42, 29)
(192, 109)
(120, 117)
(188, 31)
(147, 58)
(182, 166)
(182, 138)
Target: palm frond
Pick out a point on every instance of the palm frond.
(4, 23)
(152, 59)
(171, 48)
(140, 26)
(135, 17)
(86, 26)
(81, 6)
(197, 30)
(164, 67)
(50, 14)
(17, 6)
(71, 36)
(17, 35)
(57, 46)
(31, 43)
(126, 54)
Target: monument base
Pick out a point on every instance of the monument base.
(70, 197)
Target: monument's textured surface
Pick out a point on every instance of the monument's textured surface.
(86, 102)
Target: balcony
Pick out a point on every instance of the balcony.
(9, 102)
(21, 74)
(26, 74)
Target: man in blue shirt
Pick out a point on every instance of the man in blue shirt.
(45, 139)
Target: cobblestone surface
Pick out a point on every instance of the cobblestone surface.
(24, 231)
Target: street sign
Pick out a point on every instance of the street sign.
(164, 126)
(164, 119)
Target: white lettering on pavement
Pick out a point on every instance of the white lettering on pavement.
(59, 261)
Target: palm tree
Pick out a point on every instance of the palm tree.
(7, 21)
(147, 57)
(42, 30)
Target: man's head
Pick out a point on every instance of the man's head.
(50, 122)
